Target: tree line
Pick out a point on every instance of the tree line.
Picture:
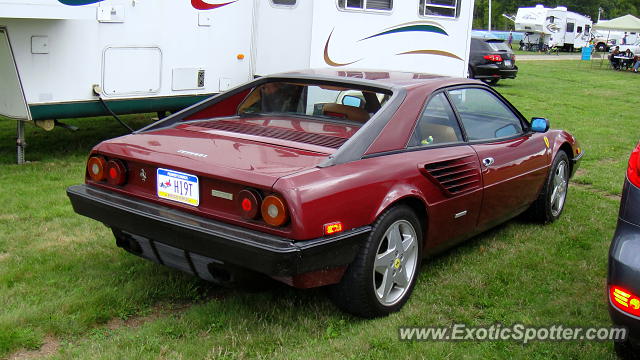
(611, 9)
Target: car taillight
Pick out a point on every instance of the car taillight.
(116, 172)
(274, 212)
(96, 168)
(633, 170)
(494, 58)
(248, 203)
(625, 300)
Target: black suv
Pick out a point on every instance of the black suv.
(491, 60)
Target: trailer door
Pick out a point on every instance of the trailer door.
(570, 34)
(12, 100)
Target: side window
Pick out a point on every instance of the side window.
(284, 2)
(437, 124)
(483, 115)
(385, 5)
(570, 27)
(444, 8)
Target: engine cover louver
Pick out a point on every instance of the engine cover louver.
(274, 132)
(456, 176)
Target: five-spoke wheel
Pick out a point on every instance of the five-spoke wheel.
(395, 263)
(382, 276)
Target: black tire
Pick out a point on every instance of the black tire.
(626, 351)
(491, 81)
(545, 209)
(357, 293)
(601, 47)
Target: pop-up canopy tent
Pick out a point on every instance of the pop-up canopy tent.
(628, 23)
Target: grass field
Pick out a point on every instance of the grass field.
(66, 291)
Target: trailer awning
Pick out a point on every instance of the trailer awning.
(628, 23)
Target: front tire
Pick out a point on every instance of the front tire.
(381, 278)
(550, 203)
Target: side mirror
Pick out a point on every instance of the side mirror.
(352, 101)
(539, 125)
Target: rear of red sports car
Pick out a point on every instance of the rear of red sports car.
(319, 180)
(208, 193)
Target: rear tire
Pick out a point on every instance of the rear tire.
(381, 278)
(491, 81)
(550, 202)
(471, 73)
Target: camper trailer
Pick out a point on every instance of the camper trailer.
(547, 28)
(80, 58)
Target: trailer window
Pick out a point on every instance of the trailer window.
(284, 2)
(587, 29)
(446, 8)
(570, 27)
(384, 5)
(551, 19)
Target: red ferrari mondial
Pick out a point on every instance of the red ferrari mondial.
(321, 178)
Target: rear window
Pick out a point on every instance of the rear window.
(317, 100)
(498, 45)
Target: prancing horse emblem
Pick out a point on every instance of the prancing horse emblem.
(143, 175)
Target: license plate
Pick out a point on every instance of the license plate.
(508, 63)
(178, 186)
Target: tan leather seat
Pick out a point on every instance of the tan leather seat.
(440, 134)
(349, 112)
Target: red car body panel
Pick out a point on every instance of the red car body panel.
(317, 191)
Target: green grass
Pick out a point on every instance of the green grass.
(62, 277)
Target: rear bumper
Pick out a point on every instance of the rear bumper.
(184, 241)
(624, 261)
(489, 71)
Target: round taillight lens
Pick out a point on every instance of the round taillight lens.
(274, 212)
(116, 172)
(96, 168)
(248, 202)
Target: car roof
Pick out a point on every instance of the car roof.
(376, 78)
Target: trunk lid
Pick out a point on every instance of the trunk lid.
(246, 151)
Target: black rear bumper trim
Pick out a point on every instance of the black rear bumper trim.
(254, 250)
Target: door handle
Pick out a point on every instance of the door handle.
(488, 161)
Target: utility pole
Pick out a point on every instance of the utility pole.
(600, 10)
(489, 15)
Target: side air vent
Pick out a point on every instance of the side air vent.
(456, 176)
(274, 132)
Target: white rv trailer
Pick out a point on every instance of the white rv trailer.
(554, 27)
(59, 58)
